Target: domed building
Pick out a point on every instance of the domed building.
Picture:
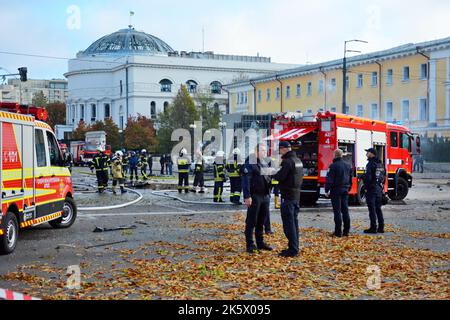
(130, 72)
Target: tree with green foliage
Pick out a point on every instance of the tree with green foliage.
(179, 115)
(210, 114)
(140, 134)
(39, 99)
(56, 113)
(80, 131)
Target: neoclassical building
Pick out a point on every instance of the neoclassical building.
(130, 72)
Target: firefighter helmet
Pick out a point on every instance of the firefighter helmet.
(144, 151)
(236, 151)
(119, 153)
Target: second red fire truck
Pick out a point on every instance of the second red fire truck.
(315, 137)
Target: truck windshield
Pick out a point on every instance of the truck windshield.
(90, 148)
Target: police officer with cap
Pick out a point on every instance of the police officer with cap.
(256, 183)
(374, 184)
(290, 178)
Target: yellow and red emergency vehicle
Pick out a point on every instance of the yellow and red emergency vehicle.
(36, 187)
(315, 137)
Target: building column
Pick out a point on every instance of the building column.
(433, 97)
(230, 108)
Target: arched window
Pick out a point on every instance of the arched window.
(191, 86)
(166, 85)
(153, 109)
(107, 110)
(216, 87)
(166, 105)
(216, 107)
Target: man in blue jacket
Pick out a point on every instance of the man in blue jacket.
(256, 183)
(339, 183)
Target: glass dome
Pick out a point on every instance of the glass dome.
(128, 41)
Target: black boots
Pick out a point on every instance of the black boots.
(380, 228)
(371, 230)
(265, 247)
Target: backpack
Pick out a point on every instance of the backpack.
(380, 174)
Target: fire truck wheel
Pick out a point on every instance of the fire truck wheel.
(8, 241)
(402, 190)
(69, 215)
(360, 197)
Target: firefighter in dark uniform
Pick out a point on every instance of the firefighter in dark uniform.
(184, 164)
(101, 163)
(134, 161)
(290, 179)
(219, 176)
(150, 164)
(256, 183)
(234, 167)
(125, 162)
(143, 162)
(199, 179)
(374, 179)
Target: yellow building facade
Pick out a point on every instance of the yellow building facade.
(408, 84)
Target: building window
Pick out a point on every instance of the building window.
(374, 111)
(389, 111)
(268, 95)
(278, 93)
(166, 85)
(107, 110)
(309, 89)
(73, 113)
(309, 111)
(259, 95)
(360, 110)
(246, 98)
(121, 88)
(153, 109)
(423, 109)
(93, 112)
(166, 106)
(333, 84)
(423, 71)
(299, 90)
(390, 75)
(216, 87)
(406, 73)
(191, 86)
(405, 110)
(288, 91)
(122, 124)
(320, 86)
(347, 110)
(333, 109)
(394, 140)
(81, 112)
(360, 81)
(374, 79)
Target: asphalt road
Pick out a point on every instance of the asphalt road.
(426, 210)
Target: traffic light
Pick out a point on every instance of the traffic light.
(23, 74)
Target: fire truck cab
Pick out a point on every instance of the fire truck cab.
(315, 137)
(36, 187)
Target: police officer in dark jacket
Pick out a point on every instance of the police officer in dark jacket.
(339, 183)
(290, 179)
(374, 192)
(256, 183)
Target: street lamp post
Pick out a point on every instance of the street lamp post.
(344, 73)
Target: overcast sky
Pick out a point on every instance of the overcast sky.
(289, 31)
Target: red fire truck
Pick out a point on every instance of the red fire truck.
(315, 137)
(36, 187)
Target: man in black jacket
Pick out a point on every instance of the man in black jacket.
(339, 183)
(373, 185)
(256, 184)
(290, 179)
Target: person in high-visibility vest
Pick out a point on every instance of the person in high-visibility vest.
(118, 173)
(101, 163)
(184, 164)
(125, 162)
(143, 162)
(276, 193)
(233, 167)
(199, 180)
(219, 176)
